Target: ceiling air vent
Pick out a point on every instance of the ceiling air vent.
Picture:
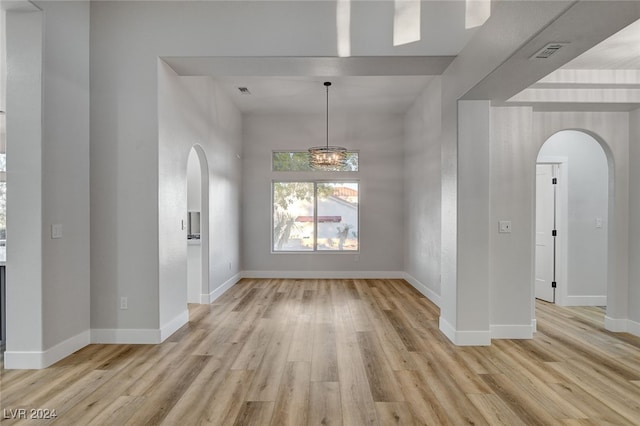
(549, 50)
(244, 91)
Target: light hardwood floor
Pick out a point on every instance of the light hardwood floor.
(331, 352)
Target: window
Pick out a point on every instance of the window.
(298, 161)
(315, 216)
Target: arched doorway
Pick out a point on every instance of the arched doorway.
(573, 202)
(197, 226)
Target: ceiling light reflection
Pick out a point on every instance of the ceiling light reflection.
(406, 22)
(343, 24)
(476, 13)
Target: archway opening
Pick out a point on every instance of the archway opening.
(197, 226)
(573, 202)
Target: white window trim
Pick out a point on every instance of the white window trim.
(315, 222)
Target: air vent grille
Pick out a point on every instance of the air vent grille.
(548, 50)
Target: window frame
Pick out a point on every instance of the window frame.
(315, 183)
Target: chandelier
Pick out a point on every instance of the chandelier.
(327, 157)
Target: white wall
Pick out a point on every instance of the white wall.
(587, 186)
(633, 299)
(612, 131)
(65, 170)
(513, 173)
(3, 60)
(517, 135)
(193, 110)
(495, 65)
(126, 40)
(377, 137)
(422, 191)
(513, 155)
(502, 35)
(473, 168)
(193, 182)
(194, 246)
(124, 169)
(48, 181)
(24, 195)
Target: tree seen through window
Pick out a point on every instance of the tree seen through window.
(315, 216)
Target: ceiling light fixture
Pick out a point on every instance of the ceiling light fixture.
(327, 157)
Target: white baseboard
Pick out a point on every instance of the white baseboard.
(324, 274)
(615, 324)
(447, 329)
(139, 336)
(32, 360)
(534, 325)
(585, 301)
(126, 335)
(24, 360)
(464, 338)
(172, 326)
(622, 325)
(512, 331)
(209, 298)
(423, 289)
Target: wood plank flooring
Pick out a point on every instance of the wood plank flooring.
(339, 352)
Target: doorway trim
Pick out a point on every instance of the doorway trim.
(204, 222)
(562, 216)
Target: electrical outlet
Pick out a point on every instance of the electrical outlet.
(124, 303)
(56, 231)
(504, 226)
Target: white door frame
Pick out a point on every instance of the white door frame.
(545, 223)
(204, 295)
(562, 224)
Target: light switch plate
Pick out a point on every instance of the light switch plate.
(56, 231)
(504, 226)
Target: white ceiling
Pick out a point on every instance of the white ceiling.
(604, 78)
(396, 93)
(388, 80)
(393, 94)
(295, 84)
(621, 51)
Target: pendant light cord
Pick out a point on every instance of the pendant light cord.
(327, 84)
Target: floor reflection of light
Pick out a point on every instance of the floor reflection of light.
(476, 13)
(343, 23)
(406, 22)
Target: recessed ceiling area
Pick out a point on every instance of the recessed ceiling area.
(606, 77)
(388, 78)
(621, 51)
(291, 85)
(291, 95)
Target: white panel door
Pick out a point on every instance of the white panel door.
(544, 239)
